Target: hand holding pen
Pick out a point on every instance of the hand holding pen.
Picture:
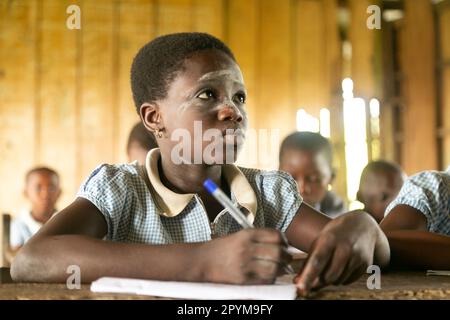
(222, 198)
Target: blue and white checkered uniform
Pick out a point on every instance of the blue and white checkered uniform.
(428, 192)
(128, 204)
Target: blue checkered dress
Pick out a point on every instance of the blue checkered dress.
(132, 215)
(428, 192)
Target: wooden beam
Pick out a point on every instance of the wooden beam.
(242, 38)
(444, 31)
(56, 96)
(98, 108)
(276, 110)
(311, 90)
(389, 95)
(137, 26)
(419, 150)
(363, 50)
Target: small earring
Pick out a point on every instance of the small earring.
(158, 133)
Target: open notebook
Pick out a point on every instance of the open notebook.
(194, 290)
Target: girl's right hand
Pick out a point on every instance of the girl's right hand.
(250, 256)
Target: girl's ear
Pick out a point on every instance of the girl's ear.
(151, 117)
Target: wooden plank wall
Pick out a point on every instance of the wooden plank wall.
(19, 105)
(56, 91)
(424, 118)
(444, 41)
(65, 97)
(419, 151)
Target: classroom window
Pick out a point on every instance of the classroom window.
(307, 122)
(374, 112)
(324, 117)
(355, 136)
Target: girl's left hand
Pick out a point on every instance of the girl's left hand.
(342, 252)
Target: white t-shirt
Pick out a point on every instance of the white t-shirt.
(23, 228)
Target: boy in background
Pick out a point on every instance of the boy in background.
(380, 183)
(42, 189)
(308, 157)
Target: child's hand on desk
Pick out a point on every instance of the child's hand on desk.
(342, 252)
(250, 256)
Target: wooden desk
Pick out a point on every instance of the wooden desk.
(394, 286)
(398, 285)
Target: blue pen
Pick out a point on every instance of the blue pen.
(220, 196)
(227, 204)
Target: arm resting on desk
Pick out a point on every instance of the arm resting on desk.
(412, 245)
(340, 250)
(73, 237)
(414, 249)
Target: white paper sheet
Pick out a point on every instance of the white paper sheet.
(194, 290)
(438, 272)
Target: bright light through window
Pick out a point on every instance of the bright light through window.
(324, 122)
(307, 122)
(374, 107)
(347, 89)
(355, 140)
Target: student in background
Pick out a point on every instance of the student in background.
(42, 189)
(380, 183)
(140, 142)
(417, 222)
(308, 157)
(159, 221)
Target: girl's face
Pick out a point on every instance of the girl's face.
(204, 113)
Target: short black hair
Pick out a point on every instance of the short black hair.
(381, 166)
(308, 141)
(141, 136)
(158, 62)
(44, 170)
